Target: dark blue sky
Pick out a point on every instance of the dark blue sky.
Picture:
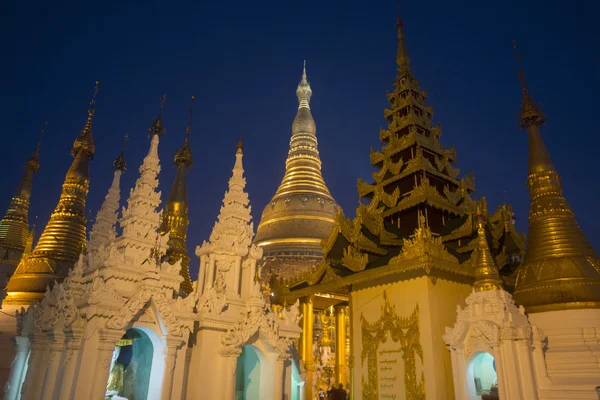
(243, 61)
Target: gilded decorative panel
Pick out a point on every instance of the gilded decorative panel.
(403, 331)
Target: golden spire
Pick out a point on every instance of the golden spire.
(486, 271)
(175, 218)
(85, 141)
(402, 56)
(157, 127)
(560, 270)
(14, 226)
(64, 236)
(302, 211)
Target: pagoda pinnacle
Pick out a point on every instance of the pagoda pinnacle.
(14, 226)
(175, 219)
(85, 141)
(157, 127)
(303, 92)
(486, 272)
(402, 56)
(65, 234)
(560, 269)
(103, 232)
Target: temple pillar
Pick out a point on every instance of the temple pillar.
(210, 276)
(57, 344)
(201, 274)
(105, 349)
(17, 369)
(340, 345)
(351, 358)
(230, 369)
(33, 384)
(70, 363)
(308, 320)
(279, 377)
(236, 276)
(287, 379)
(173, 345)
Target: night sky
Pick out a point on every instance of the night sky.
(243, 61)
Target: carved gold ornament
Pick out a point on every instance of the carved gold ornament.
(402, 330)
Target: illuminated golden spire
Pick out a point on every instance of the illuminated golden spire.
(561, 270)
(14, 227)
(64, 236)
(302, 211)
(486, 271)
(175, 218)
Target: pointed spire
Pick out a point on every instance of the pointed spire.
(239, 148)
(119, 164)
(486, 271)
(85, 140)
(235, 207)
(104, 230)
(560, 268)
(141, 219)
(304, 92)
(33, 162)
(302, 211)
(14, 226)
(402, 56)
(530, 119)
(157, 127)
(184, 155)
(175, 218)
(64, 236)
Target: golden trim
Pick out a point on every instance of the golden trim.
(291, 217)
(289, 240)
(404, 330)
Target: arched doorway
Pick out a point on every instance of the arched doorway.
(133, 367)
(482, 378)
(296, 382)
(248, 373)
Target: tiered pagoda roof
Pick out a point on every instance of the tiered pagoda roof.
(417, 216)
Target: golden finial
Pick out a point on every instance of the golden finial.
(163, 100)
(93, 102)
(119, 164)
(34, 163)
(486, 271)
(85, 141)
(157, 127)
(240, 145)
(184, 155)
(43, 130)
(530, 112)
(402, 57)
(189, 127)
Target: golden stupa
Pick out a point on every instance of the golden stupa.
(64, 236)
(302, 211)
(175, 218)
(15, 236)
(561, 269)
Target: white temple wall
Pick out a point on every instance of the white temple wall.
(570, 366)
(8, 330)
(207, 372)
